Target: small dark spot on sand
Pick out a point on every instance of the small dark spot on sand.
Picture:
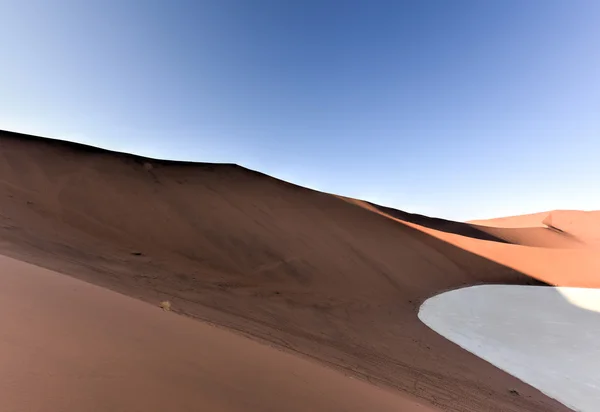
(514, 392)
(29, 202)
(136, 253)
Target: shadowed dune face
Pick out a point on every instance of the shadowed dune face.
(578, 231)
(443, 225)
(326, 277)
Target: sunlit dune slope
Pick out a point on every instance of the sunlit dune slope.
(334, 279)
(66, 345)
(582, 227)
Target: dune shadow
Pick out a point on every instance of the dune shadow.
(443, 225)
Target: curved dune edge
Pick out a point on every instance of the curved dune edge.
(66, 345)
(545, 336)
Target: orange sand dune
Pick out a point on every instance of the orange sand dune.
(580, 226)
(571, 229)
(528, 220)
(66, 345)
(333, 279)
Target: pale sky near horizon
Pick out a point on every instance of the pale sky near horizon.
(457, 109)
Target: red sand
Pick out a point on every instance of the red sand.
(333, 279)
(66, 345)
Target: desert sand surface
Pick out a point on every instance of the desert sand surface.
(67, 345)
(323, 277)
(546, 336)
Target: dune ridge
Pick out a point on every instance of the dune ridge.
(333, 279)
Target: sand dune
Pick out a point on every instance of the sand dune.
(571, 229)
(333, 279)
(519, 221)
(66, 345)
(581, 228)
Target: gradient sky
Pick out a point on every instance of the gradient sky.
(459, 109)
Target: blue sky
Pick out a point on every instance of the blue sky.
(458, 109)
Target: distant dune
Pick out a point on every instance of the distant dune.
(581, 227)
(519, 221)
(332, 279)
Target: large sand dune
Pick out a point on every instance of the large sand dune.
(334, 279)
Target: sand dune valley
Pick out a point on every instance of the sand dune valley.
(281, 298)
